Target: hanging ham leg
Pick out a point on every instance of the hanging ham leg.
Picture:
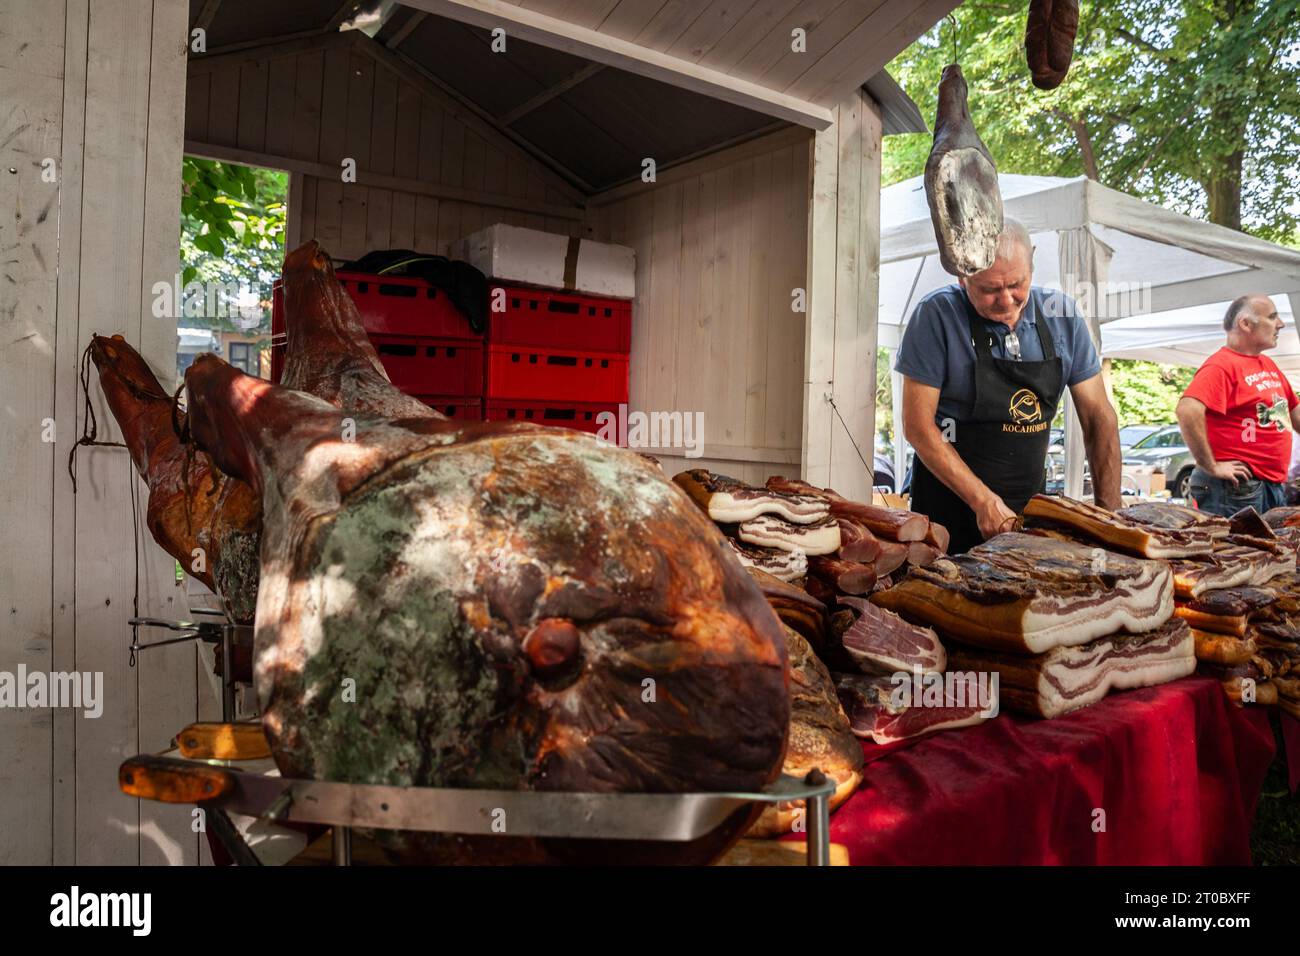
(492, 605)
(961, 184)
(328, 353)
(211, 528)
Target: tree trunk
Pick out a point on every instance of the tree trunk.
(1223, 193)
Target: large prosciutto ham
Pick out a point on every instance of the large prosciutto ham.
(1117, 532)
(492, 605)
(1069, 677)
(1025, 593)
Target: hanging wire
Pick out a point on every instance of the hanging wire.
(871, 471)
(89, 424)
(953, 20)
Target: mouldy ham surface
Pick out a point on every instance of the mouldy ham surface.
(500, 593)
(1067, 678)
(1028, 594)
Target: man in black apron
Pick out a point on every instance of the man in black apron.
(985, 365)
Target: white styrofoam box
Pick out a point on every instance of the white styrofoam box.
(532, 257)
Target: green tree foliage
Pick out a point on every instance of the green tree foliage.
(1192, 104)
(1146, 393)
(232, 234)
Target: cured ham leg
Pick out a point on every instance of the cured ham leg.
(512, 606)
(212, 526)
(328, 353)
(961, 184)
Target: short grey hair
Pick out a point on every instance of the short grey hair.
(1014, 236)
(1237, 306)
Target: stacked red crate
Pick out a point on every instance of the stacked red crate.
(424, 342)
(557, 358)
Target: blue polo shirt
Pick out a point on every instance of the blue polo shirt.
(937, 351)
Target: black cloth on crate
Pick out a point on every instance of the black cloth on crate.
(465, 286)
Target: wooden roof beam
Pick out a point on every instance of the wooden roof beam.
(550, 93)
(624, 55)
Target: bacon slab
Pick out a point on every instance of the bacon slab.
(1117, 532)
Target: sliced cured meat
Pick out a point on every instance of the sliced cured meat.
(500, 593)
(961, 184)
(1247, 521)
(1067, 678)
(1287, 516)
(1226, 610)
(1025, 593)
(856, 542)
(893, 555)
(1049, 40)
(1223, 648)
(788, 566)
(769, 531)
(849, 577)
(725, 499)
(1193, 578)
(1173, 517)
(938, 537)
(795, 607)
(882, 642)
(1244, 683)
(919, 554)
(1118, 532)
(820, 738)
(895, 524)
(876, 712)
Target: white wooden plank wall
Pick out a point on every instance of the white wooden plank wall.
(720, 246)
(843, 305)
(321, 105)
(98, 88)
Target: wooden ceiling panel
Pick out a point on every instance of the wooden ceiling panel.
(579, 144)
(240, 21)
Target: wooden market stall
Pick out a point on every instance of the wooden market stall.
(766, 194)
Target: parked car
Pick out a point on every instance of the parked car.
(883, 476)
(1164, 449)
(1130, 435)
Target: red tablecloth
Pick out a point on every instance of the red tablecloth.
(1176, 769)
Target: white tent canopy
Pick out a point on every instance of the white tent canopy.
(1162, 277)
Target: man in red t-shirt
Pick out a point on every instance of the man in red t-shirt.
(1234, 415)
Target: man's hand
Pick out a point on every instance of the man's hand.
(1233, 471)
(993, 516)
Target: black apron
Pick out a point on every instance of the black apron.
(1004, 437)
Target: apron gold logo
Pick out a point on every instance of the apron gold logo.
(1025, 407)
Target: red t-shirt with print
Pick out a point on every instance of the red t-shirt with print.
(1247, 401)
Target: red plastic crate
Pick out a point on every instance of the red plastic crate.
(556, 375)
(461, 408)
(580, 416)
(562, 320)
(392, 306)
(428, 366)
(396, 305)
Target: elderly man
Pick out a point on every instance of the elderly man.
(1234, 413)
(984, 365)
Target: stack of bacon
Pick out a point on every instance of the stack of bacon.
(1234, 582)
(817, 556)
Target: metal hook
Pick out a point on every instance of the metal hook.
(953, 19)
